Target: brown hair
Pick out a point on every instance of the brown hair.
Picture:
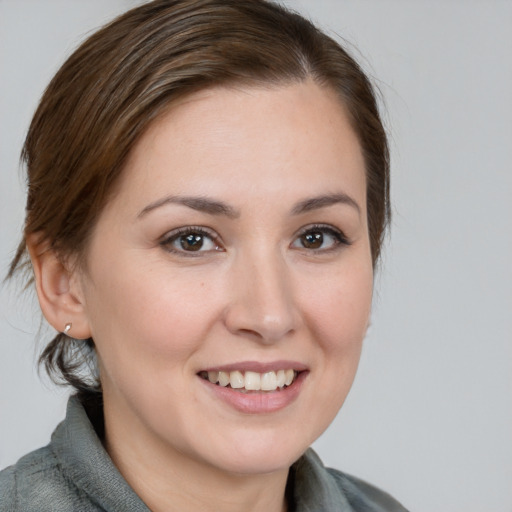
(125, 75)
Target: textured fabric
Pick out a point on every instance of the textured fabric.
(75, 473)
(324, 489)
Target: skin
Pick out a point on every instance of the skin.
(255, 291)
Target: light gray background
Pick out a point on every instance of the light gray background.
(430, 416)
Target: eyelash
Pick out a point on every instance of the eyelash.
(174, 236)
(339, 237)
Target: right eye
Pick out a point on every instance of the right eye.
(190, 240)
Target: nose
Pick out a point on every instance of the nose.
(262, 304)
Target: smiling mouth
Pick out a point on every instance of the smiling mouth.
(246, 382)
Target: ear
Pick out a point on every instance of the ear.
(58, 290)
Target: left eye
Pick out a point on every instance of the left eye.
(190, 240)
(320, 238)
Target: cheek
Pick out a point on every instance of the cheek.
(338, 307)
(148, 315)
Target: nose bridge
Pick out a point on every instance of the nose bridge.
(263, 299)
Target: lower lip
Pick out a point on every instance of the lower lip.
(258, 402)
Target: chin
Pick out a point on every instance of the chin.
(261, 463)
(259, 452)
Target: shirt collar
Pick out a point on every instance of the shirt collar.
(314, 487)
(85, 460)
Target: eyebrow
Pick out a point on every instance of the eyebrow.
(214, 207)
(324, 201)
(202, 204)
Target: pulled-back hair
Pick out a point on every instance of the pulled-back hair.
(127, 74)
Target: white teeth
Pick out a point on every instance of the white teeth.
(223, 379)
(268, 381)
(252, 381)
(281, 378)
(236, 379)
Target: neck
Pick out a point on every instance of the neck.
(167, 480)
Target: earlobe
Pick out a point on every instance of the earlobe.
(58, 290)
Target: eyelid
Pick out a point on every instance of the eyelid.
(341, 239)
(167, 239)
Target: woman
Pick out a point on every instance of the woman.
(208, 193)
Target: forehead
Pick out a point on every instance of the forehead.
(253, 139)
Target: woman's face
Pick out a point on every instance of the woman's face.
(235, 248)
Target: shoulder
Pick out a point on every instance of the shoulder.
(36, 483)
(363, 496)
(8, 489)
(321, 488)
(22, 478)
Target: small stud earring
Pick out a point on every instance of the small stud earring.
(67, 328)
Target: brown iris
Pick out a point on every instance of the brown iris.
(312, 240)
(191, 242)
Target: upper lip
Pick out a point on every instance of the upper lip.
(258, 367)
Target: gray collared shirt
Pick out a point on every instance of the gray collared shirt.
(75, 473)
